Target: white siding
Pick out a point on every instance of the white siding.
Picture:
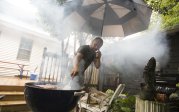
(9, 45)
(10, 38)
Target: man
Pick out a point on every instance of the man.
(85, 55)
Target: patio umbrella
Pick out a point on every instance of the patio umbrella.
(106, 18)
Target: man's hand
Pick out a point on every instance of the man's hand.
(74, 72)
(98, 54)
(97, 62)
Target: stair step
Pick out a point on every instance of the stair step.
(7, 103)
(11, 93)
(13, 106)
(12, 96)
(26, 111)
(11, 88)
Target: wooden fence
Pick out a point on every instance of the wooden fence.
(150, 106)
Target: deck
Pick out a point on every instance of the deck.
(14, 81)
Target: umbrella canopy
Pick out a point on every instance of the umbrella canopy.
(106, 18)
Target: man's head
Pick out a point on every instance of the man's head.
(96, 43)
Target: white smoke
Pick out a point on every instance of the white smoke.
(131, 54)
(51, 17)
(20, 11)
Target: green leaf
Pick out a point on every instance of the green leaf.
(123, 105)
(168, 10)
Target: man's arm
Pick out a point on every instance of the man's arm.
(97, 60)
(76, 63)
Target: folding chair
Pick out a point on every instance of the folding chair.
(101, 105)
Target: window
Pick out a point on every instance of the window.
(25, 49)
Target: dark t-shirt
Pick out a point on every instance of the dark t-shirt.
(88, 55)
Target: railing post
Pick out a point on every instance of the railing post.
(42, 64)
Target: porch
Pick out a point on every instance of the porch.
(13, 81)
(12, 94)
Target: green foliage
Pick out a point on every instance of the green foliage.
(110, 92)
(177, 85)
(168, 10)
(123, 104)
(172, 18)
(162, 6)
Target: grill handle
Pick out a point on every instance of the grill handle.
(81, 93)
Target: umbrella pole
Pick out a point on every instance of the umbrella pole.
(105, 2)
(74, 45)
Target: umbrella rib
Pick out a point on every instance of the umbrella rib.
(97, 1)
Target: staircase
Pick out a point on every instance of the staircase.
(13, 100)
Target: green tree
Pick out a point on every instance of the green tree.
(168, 10)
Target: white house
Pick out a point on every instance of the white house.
(23, 45)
